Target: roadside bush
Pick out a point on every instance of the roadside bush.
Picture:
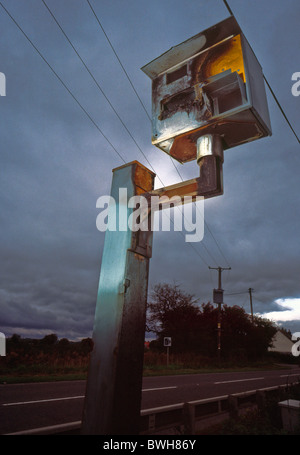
(31, 356)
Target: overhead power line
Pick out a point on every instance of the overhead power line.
(113, 49)
(62, 82)
(172, 161)
(281, 109)
(259, 300)
(99, 87)
(111, 105)
(228, 7)
(126, 74)
(236, 293)
(269, 86)
(74, 98)
(78, 102)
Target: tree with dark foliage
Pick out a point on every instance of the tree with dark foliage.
(173, 313)
(193, 328)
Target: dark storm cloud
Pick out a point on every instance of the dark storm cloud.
(55, 163)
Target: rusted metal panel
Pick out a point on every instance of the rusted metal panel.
(194, 45)
(210, 84)
(209, 184)
(227, 55)
(143, 178)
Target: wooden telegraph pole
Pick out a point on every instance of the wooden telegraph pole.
(251, 306)
(218, 299)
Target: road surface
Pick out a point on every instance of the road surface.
(31, 406)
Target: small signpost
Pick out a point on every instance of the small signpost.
(167, 343)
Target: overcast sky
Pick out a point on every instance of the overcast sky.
(55, 163)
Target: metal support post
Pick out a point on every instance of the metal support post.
(114, 385)
(113, 393)
(210, 183)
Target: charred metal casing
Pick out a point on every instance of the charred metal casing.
(209, 84)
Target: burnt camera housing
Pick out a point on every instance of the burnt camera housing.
(211, 84)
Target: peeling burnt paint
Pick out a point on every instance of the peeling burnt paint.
(194, 101)
(209, 84)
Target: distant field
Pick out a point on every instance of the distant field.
(40, 373)
(52, 360)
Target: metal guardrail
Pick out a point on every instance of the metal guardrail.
(184, 418)
(64, 428)
(187, 418)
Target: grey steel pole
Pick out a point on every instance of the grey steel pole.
(114, 385)
(113, 393)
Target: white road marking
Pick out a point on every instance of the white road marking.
(41, 401)
(18, 403)
(238, 380)
(159, 388)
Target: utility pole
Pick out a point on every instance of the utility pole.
(251, 307)
(218, 298)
